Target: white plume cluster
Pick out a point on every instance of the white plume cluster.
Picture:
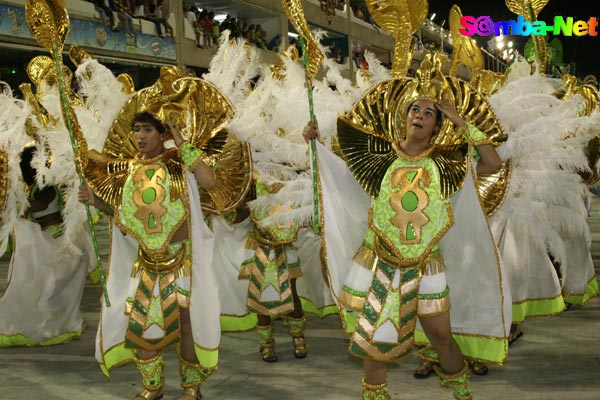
(13, 115)
(271, 112)
(546, 141)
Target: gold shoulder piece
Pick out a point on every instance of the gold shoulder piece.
(368, 156)
(106, 177)
(452, 167)
(493, 188)
(3, 178)
(233, 163)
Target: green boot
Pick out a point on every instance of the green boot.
(266, 342)
(192, 376)
(375, 392)
(460, 382)
(151, 371)
(296, 327)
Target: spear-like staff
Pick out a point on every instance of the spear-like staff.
(48, 22)
(312, 56)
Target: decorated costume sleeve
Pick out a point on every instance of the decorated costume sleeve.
(473, 135)
(190, 155)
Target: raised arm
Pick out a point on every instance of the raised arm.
(489, 161)
(192, 157)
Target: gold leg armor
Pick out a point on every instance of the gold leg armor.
(267, 342)
(151, 371)
(192, 377)
(460, 383)
(375, 392)
(296, 327)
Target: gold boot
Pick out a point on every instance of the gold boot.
(460, 382)
(296, 327)
(266, 342)
(375, 392)
(152, 379)
(192, 376)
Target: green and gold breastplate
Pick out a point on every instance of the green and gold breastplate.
(409, 216)
(149, 211)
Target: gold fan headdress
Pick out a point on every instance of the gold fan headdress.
(202, 111)
(368, 133)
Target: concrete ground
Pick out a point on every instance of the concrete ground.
(557, 358)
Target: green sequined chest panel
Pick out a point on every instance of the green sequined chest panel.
(147, 210)
(409, 216)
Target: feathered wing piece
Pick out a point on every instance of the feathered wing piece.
(14, 115)
(544, 204)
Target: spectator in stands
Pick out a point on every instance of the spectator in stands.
(260, 37)
(104, 10)
(207, 30)
(251, 34)
(124, 13)
(226, 24)
(150, 10)
(190, 15)
(233, 28)
(163, 13)
(215, 31)
(274, 43)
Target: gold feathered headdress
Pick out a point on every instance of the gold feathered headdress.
(202, 111)
(367, 134)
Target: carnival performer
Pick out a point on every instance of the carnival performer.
(51, 247)
(272, 271)
(160, 268)
(46, 277)
(424, 119)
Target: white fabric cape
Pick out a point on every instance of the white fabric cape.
(204, 308)
(480, 297)
(46, 278)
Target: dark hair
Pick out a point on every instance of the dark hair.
(145, 116)
(439, 115)
(27, 171)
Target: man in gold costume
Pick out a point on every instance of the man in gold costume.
(171, 296)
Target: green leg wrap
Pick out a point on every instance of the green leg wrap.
(192, 375)
(151, 371)
(460, 383)
(265, 334)
(296, 327)
(375, 392)
(267, 342)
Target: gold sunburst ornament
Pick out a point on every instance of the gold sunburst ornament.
(48, 22)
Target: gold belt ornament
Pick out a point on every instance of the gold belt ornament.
(158, 263)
